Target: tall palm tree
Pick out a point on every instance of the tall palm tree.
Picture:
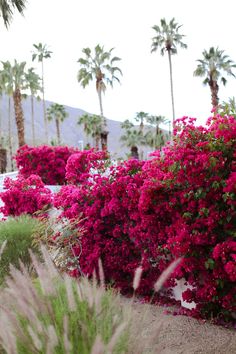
(14, 80)
(33, 82)
(57, 111)
(92, 124)
(212, 67)
(99, 66)
(7, 8)
(42, 53)
(167, 39)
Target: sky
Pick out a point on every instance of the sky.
(67, 27)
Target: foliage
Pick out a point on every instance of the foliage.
(7, 8)
(59, 315)
(18, 233)
(49, 162)
(181, 203)
(212, 67)
(24, 196)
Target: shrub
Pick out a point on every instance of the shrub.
(48, 162)
(24, 196)
(181, 203)
(18, 233)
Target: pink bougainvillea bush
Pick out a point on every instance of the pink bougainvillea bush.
(24, 196)
(82, 164)
(48, 162)
(181, 203)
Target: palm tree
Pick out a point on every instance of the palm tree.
(132, 139)
(212, 66)
(167, 39)
(92, 125)
(140, 117)
(57, 111)
(155, 138)
(14, 80)
(99, 66)
(34, 84)
(42, 53)
(7, 8)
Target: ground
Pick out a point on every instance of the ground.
(180, 334)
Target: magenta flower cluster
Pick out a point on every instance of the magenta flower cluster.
(24, 196)
(48, 162)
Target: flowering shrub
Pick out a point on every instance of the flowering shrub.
(179, 204)
(83, 163)
(48, 162)
(24, 196)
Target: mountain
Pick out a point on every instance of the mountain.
(71, 133)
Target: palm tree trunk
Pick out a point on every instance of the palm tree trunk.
(171, 88)
(44, 108)
(214, 93)
(10, 133)
(32, 118)
(58, 131)
(141, 127)
(19, 117)
(104, 132)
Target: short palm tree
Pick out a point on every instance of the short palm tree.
(212, 67)
(7, 8)
(132, 139)
(92, 124)
(14, 80)
(99, 66)
(58, 113)
(141, 117)
(33, 82)
(155, 138)
(42, 53)
(167, 39)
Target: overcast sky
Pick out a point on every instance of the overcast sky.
(69, 26)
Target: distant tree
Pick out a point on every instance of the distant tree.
(33, 82)
(14, 82)
(167, 39)
(42, 53)
(92, 125)
(100, 67)
(132, 139)
(155, 137)
(212, 67)
(58, 113)
(141, 117)
(7, 8)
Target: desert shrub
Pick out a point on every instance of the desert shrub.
(18, 233)
(48, 162)
(55, 314)
(24, 196)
